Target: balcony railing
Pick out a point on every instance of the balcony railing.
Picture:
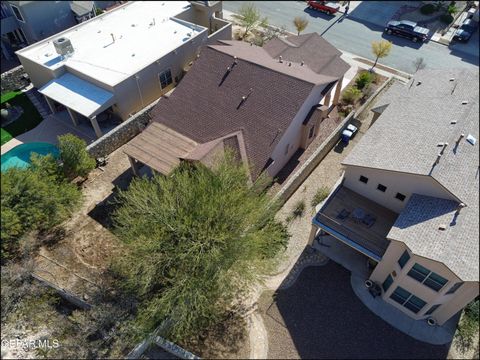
(372, 245)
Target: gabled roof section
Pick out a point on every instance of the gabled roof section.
(435, 108)
(257, 55)
(457, 246)
(306, 48)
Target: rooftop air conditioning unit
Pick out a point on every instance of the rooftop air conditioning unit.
(63, 46)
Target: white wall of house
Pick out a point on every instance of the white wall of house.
(450, 304)
(293, 134)
(396, 182)
(133, 94)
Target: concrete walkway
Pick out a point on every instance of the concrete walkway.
(418, 329)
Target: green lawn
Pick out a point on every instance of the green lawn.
(29, 119)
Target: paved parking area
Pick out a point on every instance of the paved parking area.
(320, 317)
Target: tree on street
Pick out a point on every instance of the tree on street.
(300, 24)
(196, 241)
(250, 18)
(380, 49)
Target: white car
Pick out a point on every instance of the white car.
(349, 133)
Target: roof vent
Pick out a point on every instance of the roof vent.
(471, 139)
(63, 46)
(289, 64)
(452, 79)
(442, 227)
(444, 147)
(438, 158)
(453, 122)
(460, 207)
(280, 59)
(302, 63)
(419, 83)
(464, 102)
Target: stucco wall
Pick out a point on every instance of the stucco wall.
(129, 97)
(406, 184)
(45, 18)
(293, 134)
(121, 134)
(450, 303)
(39, 75)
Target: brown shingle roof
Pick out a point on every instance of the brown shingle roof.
(317, 53)
(207, 104)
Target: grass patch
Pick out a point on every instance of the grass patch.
(320, 195)
(27, 121)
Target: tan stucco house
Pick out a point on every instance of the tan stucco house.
(264, 102)
(117, 63)
(408, 199)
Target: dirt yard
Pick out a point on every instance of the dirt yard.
(83, 247)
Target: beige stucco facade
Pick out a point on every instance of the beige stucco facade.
(407, 184)
(450, 304)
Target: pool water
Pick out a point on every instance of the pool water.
(20, 155)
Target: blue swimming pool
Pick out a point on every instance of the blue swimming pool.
(19, 156)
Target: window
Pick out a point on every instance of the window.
(363, 179)
(310, 134)
(17, 13)
(400, 196)
(432, 309)
(404, 259)
(454, 288)
(381, 187)
(388, 281)
(427, 277)
(407, 299)
(165, 78)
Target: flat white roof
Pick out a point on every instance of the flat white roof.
(143, 30)
(77, 94)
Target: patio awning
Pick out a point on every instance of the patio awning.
(160, 147)
(77, 94)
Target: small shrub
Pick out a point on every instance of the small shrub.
(299, 209)
(427, 9)
(452, 9)
(467, 328)
(76, 160)
(364, 80)
(320, 195)
(351, 95)
(98, 11)
(446, 18)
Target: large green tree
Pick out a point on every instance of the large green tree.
(33, 198)
(197, 239)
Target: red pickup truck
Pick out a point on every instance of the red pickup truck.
(324, 6)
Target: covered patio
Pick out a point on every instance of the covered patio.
(80, 98)
(356, 221)
(158, 147)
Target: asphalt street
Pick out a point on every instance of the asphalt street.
(356, 32)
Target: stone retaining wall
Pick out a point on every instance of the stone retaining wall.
(299, 177)
(123, 133)
(13, 79)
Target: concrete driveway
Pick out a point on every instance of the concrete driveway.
(378, 12)
(320, 317)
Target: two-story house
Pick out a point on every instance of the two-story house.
(408, 199)
(264, 102)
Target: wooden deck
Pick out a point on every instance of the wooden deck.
(371, 238)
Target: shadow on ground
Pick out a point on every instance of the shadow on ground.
(320, 317)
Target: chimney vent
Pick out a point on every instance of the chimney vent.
(280, 59)
(444, 147)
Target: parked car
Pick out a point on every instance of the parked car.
(324, 6)
(465, 32)
(349, 133)
(408, 29)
